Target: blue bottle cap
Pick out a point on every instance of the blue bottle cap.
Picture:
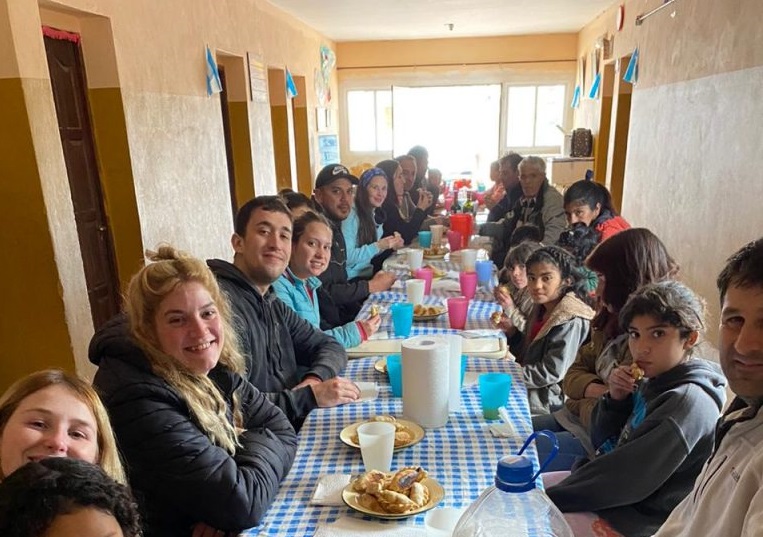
(515, 474)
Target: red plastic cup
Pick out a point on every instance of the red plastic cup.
(426, 274)
(458, 306)
(468, 281)
(463, 224)
(454, 240)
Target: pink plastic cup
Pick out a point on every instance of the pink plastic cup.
(458, 306)
(448, 201)
(468, 281)
(454, 240)
(426, 274)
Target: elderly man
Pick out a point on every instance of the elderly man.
(340, 299)
(727, 500)
(540, 205)
(289, 360)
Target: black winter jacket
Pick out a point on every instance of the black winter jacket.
(179, 476)
(340, 300)
(280, 347)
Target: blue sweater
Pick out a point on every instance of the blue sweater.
(294, 293)
(358, 257)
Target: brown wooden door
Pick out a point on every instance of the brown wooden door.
(228, 140)
(68, 81)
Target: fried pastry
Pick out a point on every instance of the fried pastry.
(373, 311)
(495, 317)
(396, 493)
(636, 372)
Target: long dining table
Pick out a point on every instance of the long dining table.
(461, 455)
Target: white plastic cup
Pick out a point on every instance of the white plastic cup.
(468, 260)
(415, 290)
(377, 443)
(415, 258)
(441, 522)
(438, 231)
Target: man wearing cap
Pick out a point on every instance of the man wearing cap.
(340, 299)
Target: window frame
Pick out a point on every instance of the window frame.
(376, 150)
(534, 149)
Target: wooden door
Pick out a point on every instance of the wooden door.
(224, 108)
(69, 93)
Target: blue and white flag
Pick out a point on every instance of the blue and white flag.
(213, 75)
(291, 88)
(576, 98)
(631, 73)
(594, 93)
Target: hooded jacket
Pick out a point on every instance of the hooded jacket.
(359, 257)
(611, 226)
(652, 446)
(280, 348)
(302, 297)
(547, 357)
(179, 476)
(727, 500)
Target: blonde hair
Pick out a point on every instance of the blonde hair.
(108, 455)
(145, 293)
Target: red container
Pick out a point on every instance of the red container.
(462, 223)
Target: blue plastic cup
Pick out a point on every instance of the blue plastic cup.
(425, 239)
(402, 318)
(494, 393)
(395, 374)
(484, 271)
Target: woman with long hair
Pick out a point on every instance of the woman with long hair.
(590, 203)
(53, 413)
(362, 229)
(205, 449)
(403, 216)
(623, 263)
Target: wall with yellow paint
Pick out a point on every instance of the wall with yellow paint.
(694, 144)
(159, 140)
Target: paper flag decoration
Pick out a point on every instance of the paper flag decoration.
(213, 75)
(291, 89)
(631, 73)
(594, 93)
(576, 98)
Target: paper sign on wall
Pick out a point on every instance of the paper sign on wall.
(328, 147)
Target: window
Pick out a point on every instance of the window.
(532, 116)
(369, 115)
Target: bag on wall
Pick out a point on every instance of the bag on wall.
(582, 143)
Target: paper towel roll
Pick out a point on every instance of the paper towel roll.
(426, 385)
(455, 342)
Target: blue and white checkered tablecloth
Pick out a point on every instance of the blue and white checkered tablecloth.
(461, 456)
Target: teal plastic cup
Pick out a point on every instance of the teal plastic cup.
(395, 374)
(425, 239)
(494, 393)
(402, 318)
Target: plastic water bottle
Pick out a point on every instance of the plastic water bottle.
(514, 507)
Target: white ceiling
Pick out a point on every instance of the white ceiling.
(364, 20)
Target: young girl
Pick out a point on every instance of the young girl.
(298, 286)
(591, 203)
(512, 293)
(40, 409)
(654, 427)
(557, 327)
(362, 229)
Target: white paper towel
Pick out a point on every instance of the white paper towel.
(454, 372)
(426, 386)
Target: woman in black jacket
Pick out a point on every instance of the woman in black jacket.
(205, 450)
(403, 216)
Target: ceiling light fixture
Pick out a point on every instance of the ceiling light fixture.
(450, 26)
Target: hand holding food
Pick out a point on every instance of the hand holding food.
(636, 372)
(621, 383)
(373, 311)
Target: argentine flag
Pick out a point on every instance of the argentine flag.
(213, 75)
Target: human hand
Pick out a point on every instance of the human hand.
(621, 383)
(200, 529)
(381, 281)
(425, 199)
(594, 390)
(507, 325)
(503, 297)
(371, 325)
(390, 242)
(335, 392)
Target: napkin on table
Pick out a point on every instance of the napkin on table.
(368, 391)
(352, 527)
(329, 489)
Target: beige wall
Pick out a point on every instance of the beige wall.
(171, 152)
(694, 147)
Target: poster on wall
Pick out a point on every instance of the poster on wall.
(328, 147)
(258, 82)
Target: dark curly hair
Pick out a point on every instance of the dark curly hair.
(743, 269)
(34, 495)
(579, 240)
(669, 302)
(568, 269)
